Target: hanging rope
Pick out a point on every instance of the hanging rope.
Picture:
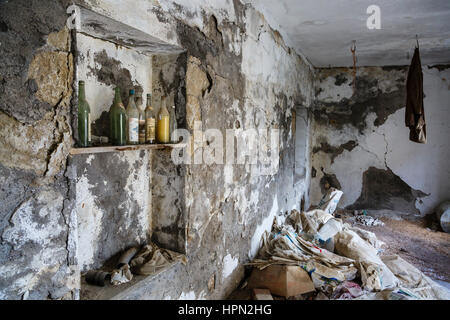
(353, 50)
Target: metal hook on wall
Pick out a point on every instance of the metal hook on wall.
(353, 47)
(353, 50)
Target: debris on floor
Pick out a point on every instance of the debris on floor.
(330, 200)
(285, 281)
(145, 260)
(342, 261)
(347, 290)
(369, 221)
(262, 294)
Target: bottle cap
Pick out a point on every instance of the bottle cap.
(132, 91)
(81, 82)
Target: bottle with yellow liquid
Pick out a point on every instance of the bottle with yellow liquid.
(162, 124)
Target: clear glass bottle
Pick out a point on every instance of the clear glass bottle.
(162, 124)
(141, 110)
(118, 121)
(172, 123)
(84, 118)
(150, 122)
(133, 120)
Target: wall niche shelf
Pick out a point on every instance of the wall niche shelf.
(132, 290)
(135, 199)
(105, 149)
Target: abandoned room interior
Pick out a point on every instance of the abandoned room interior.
(224, 150)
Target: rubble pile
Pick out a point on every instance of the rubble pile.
(342, 261)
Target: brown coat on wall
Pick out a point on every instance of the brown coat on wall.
(415, 117)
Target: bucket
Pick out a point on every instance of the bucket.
(443, 215)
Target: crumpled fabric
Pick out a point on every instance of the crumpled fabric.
(375, 275)
(421, 286)
(414, 111)
(347, 290)
(121, 275)
(152, 259)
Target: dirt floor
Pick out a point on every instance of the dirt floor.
(421, 242)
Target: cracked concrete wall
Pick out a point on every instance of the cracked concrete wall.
(168, 180)
(239, 74)
(361, 144)
(36, 74)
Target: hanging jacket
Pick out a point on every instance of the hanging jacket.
(415, 117)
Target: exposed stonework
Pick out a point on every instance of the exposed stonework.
(52, 72)
(36, 88)
(27, 25)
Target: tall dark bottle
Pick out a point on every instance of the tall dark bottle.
(118, 121)
(84, 118)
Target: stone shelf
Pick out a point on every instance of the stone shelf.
(104, 149)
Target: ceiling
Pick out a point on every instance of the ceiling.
(323, 30)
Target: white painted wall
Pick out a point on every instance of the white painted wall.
(423, 167)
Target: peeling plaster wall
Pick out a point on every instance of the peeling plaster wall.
(36, 74)
(113, 198)
(168, 181)
(361, 144)
(239, 74)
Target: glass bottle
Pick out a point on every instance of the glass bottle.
(150, 122)
(141, 118)
(118, 121)
(84, 118)
(172, 123)
(133, 120)
(162, 124)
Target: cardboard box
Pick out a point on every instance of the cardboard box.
(262, 294)
(285, 281)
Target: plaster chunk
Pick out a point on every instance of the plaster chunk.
(25, 146)
(59, 40)
(52, 72)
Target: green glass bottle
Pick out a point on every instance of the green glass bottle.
(118, 121)
(84, 118)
